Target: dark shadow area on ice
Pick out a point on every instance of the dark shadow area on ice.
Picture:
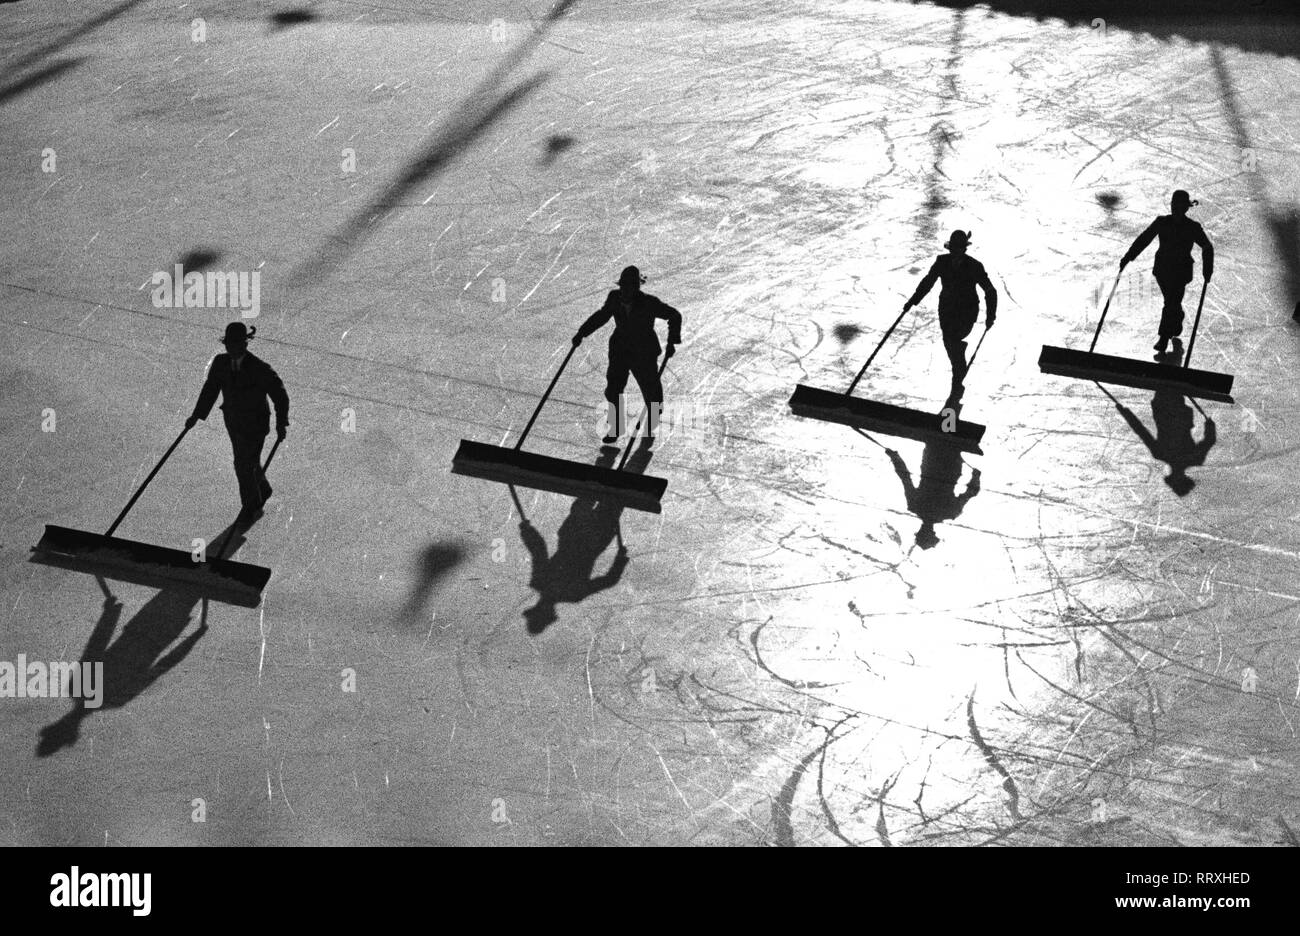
(197, 260)
(567, 576)
(287, 18)
(556, 144)
(1173, 441)
(1283, 222)
(933, 499)
(145, 650)
(1250, 25)
(437, 560)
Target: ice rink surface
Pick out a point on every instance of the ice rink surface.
(1083, 657)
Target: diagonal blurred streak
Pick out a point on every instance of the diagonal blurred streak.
(37, 78)
(480, 109)
(436, 156)
(1283, 222)
(40, 52)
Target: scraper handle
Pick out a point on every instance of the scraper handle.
(1106, 308)
(852, 386)
(545, 396)
(637, 429)
(136, 496)
(1191, 342)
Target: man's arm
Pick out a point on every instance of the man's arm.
(972, 488)
(207, 396)
(280, 397)
(534, 543)
(1207, 441)
(597, 320)
(927, 283)
(1207, 252)
(674, 320)
(900, 469)
(1140, 243)
(1140, 430)
(990, 296)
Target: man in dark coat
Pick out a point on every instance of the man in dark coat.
(1173, 264)
(633, 347)
(245, 382)
(958, 304)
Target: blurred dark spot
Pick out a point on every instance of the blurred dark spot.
(286, 18)
(846, 332)
(1108, 200)
(199, 259)
(556, 144)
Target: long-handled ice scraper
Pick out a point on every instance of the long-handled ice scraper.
(1147, 375)
(576, 479)
(236, 583)
(848, 410)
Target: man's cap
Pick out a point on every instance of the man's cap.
(237, 333)
(630, 275)
(1180, 197)
(958, 239)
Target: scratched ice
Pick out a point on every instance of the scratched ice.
(433, 202)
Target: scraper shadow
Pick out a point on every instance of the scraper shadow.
(1173, 441)
(585, 534)
(144, 652)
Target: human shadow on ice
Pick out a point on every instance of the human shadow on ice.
(934, 499)
(146, 649)
(585, 534)
(1173, 442)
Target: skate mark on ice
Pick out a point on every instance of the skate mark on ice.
(1008, 784)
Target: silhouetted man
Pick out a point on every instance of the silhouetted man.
(1173, 263)
(633, 347)
(245, 382)
(958, 303)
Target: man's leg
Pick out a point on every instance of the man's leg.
(248, 467)
(646, 371)
(1171, 316)
(615, 384)
(955, 327)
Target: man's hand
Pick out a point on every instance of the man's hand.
(1207, 274)
(577, 339)
(907, 306)
(191, 422)
(672, 349)
(1123, 262)
(279, 432)
(989, 320)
